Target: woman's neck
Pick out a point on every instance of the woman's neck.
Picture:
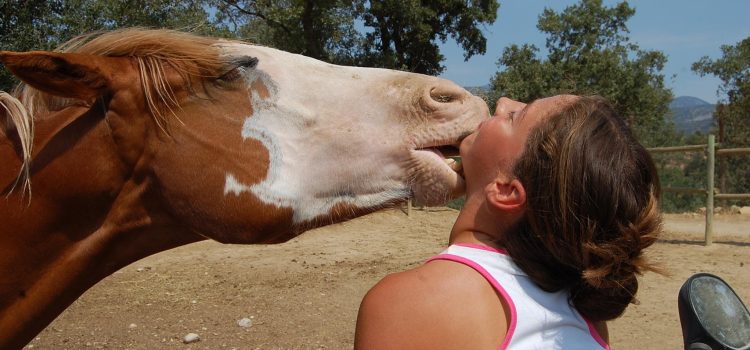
(477, 223)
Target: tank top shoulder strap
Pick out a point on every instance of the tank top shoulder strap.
(520, 293)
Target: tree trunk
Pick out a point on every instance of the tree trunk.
(313, 42)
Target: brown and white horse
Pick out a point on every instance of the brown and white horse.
(133, 142)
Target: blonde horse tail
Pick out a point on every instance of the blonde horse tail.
(20, 119)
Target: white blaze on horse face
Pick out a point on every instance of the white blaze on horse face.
(343, 135)
(319, 157)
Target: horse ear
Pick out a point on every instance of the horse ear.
(68, 75)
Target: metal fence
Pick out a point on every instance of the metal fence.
(711, 149)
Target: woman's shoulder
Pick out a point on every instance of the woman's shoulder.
(420, 287)
(440, 305)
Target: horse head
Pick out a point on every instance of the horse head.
(258, 139)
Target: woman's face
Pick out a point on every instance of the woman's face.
(493, 148)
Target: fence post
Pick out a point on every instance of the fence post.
(710, 153)
(408, 207)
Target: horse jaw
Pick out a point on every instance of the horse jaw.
(359, 145)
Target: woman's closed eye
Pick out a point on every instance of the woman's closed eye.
(517, 114)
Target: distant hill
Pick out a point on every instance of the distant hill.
(687, 101)
(692, 114)
(483, 90)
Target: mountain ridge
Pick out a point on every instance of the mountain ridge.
(691, 114)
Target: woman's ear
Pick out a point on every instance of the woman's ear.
(506, 194)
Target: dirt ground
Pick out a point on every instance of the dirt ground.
(304, 294)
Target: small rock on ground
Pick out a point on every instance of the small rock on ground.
(245, 323)
(191, 338)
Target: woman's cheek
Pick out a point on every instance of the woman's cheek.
(466, 144)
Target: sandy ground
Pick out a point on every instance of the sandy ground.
(304, 294)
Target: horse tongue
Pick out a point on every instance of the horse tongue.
(453, 164)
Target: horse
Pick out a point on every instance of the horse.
(126, 143)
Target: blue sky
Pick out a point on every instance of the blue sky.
(684, 30)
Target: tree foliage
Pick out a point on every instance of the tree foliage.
(733, 68)
(589, 52)
(405, 32)
(321, 29)
(733, 112)
(388, 33)
(27, 25)
(43, 25)
(394, 34)
(81, 16)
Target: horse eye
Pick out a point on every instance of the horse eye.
(232, 75)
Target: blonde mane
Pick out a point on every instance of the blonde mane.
(19, 119)
(190, 55)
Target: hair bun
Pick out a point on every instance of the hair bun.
(605, 302)
(611, 277)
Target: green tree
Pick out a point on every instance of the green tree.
(27, 25)
(733, 68)
(589, 52)
(397, 34)
(82, 16)
(43, 25)
(685, 170)
(322, 29)
(405, 32)
(733, 112)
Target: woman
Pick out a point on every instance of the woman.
(560, 202)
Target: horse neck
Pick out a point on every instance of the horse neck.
(85, 219)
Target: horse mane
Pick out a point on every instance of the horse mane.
(190, 55)
(19, 119)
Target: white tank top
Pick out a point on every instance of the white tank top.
(539, 320)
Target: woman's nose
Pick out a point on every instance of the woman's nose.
(505, 105)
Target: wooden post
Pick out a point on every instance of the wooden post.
(710, 153)
(408, 207)
(711, 195)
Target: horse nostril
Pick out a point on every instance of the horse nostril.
(443, 98)
(444, 92)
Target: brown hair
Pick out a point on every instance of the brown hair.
(592, 194)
